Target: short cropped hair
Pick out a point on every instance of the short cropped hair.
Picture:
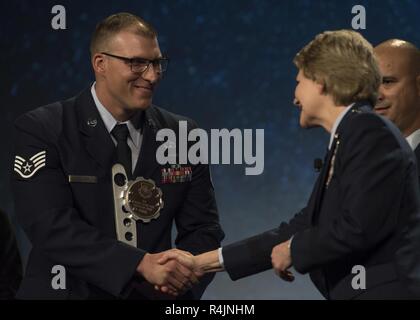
(115, 23)
(343, 61)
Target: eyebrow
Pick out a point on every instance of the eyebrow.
(389, 78)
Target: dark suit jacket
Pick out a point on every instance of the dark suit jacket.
(72, 224)
(408, 255)
(10, 261)
(417, 153)
(356, 220)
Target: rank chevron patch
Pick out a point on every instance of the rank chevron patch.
(31, 166)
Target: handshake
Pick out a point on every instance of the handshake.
(175, 271)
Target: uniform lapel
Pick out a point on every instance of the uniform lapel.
(97, 140)
(325, 173)
(321, 182)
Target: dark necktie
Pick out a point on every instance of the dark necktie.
(120, 133)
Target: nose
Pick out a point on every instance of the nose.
(151, 74)
(381, 96)
(296, 102)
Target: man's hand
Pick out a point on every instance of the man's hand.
(207, 262)
(185, 260)
(282, 261)
(203, 263)
(171, 276)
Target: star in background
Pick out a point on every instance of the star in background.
(27, 167)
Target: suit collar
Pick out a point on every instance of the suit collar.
(337, 123)
(355, 108)
(362, 104)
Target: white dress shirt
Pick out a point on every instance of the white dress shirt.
(414, 139)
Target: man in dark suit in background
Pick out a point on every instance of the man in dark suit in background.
(63, 187)
(366, 191)
(399, 93)
(399, 101)
(10, 261)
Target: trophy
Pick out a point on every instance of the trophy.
(134, 200)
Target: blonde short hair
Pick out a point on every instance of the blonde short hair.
(115, 23)
(343, 61)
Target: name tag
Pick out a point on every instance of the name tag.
(83, 179)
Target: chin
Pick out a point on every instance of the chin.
(142, 105)
(303, 123)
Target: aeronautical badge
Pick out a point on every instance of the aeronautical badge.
(27, 168)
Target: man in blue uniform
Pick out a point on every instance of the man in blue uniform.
(63, 187)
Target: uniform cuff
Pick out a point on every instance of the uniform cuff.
(221, 261)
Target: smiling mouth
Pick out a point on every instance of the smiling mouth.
(144, 88)
(381, 108)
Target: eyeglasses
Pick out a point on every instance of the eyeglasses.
(140, 65)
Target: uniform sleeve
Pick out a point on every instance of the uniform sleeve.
(10, 261)
(371, 172)
(45, 209)
(253, 255)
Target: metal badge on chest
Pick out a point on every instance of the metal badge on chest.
(138, 200)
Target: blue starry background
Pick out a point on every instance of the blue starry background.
(231, 67)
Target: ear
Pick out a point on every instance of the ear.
(321, 88)
(98, 63)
